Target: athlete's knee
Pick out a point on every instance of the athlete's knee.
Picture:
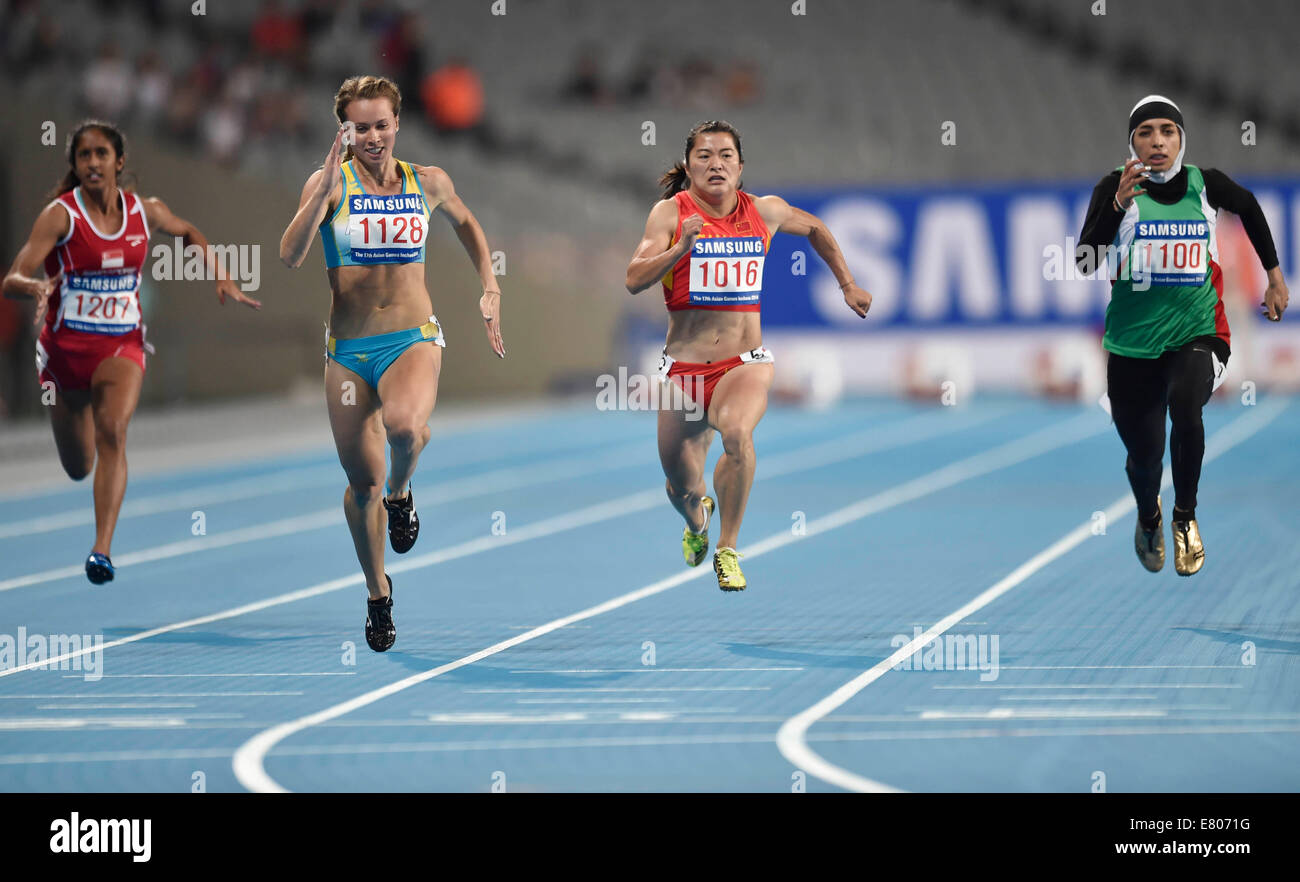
(738, 441)
(110, 431)
(363, 492)
(405, 430)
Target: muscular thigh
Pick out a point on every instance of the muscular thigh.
(355, 422)
(74, 430)
(115, 391)
(410, 385)
(740, 398)
(683, 445)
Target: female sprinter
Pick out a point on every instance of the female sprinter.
(1165, 327)
(706, 241)
(383, 347)
(92, 347)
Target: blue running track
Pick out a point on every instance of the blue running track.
(239, 653)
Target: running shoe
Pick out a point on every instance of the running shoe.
(1150, 544)
(381, 633)
(99, 569)
(1189, 553)
(403, 524)
(695, 546)
(726, 563)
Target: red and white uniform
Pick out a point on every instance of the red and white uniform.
(94, 312)
(723, 271)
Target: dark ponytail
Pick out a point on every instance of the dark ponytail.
(109, 131)
(674, 180)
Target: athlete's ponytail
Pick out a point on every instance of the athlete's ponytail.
(355, 88)
(674, 180)
(108, 130)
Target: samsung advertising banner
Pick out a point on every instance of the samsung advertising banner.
(976, 287)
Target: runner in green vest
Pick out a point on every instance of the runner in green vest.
(1166, 332)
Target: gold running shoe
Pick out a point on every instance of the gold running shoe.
(726, 563)
(1189, 553)
(695, 546)
(1150, 545)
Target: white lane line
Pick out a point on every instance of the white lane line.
(515, 477)
(248, 761)
(592, 700)
(101, 695)
(582, 517)
(1101, 686)
(644, 670)
(176, 676)
(1028, 713)
(791, 740)
(138, 705)
(1053, 731)
(622, 741)
(126, 722)
(1116, 667)
(622, 689)
(114, 756)
(1077, 698)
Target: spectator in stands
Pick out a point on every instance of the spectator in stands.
(108, 83)
(276, 33)
(742, 85)
(453, 98)
(402, 52)
(152, 89)
(586, 84)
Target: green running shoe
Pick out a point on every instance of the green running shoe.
(726, 563)
(695, 546)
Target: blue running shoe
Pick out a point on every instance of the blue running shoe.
(99, 569)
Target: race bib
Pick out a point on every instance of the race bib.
(103, 303)
(726, 271)
(386, 229)
(1171, 252)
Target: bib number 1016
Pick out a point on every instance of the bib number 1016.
(727, 275)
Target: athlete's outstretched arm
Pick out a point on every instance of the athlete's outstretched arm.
(21, 282)
(1223, 192)
(161, 218)
(785, 218)
(653, 257)
(438, 185)
(312, 206)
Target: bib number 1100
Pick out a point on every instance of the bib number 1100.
(1186, 255)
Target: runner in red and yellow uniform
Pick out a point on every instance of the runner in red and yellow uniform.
(706, 240)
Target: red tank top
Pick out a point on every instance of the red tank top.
(99, 292)
(724, 269)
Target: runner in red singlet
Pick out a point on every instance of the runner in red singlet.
(92, 346)
(706, 241)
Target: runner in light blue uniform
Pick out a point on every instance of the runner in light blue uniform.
(372, 213)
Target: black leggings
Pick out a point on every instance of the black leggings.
(1141, 390)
